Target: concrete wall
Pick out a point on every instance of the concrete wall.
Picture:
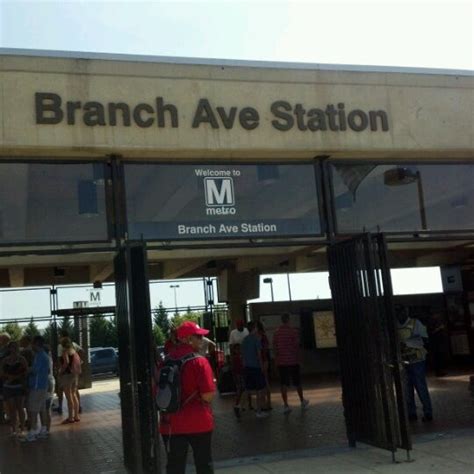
(430, 115)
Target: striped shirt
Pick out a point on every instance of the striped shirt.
(286, 345)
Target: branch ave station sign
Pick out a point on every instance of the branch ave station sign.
(172, 202)
(51, 109)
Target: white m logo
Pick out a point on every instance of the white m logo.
(219, 191)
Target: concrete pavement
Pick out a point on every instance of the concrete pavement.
(432, 454)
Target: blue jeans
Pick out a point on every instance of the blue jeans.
(416, 380)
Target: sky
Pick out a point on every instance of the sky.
(303, 286)
(415, 33)
(412, 33)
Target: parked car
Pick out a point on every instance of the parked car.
(104, 360)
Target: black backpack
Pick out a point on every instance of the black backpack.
(168, 398)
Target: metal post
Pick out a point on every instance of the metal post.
(270, 280)
(421, 200)
(289, 286)
(175, 287)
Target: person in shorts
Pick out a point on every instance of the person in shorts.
(59, 390)
(45, 416)
(14, 371)
(38, 380)
(286, 347)
(236, 337)
(69, 372)
(252, 359)
(4, 340)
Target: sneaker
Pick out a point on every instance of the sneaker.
(286, 410)
(43, 435)
(304, 404)
(29, 437)
(261, 414)
(237, 411)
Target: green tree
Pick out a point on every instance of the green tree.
(31, 329)
(113, 334)
(158, 336)
(48, 333)
(160, 319)
(14, 330)
(101, 331)
(179, 319)
(66, 325)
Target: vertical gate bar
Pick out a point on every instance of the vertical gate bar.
(390, 417)
(358, 284)
(128, 401)
(396, 359)
(145, 357)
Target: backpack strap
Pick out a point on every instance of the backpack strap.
(183, 360)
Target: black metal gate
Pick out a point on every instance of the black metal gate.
(367, 337)
(136, 360)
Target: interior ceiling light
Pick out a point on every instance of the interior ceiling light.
(400, 176)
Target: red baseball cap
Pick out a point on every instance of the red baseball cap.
(189, 328)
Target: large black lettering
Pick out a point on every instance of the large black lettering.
(71, 111)
(331, 114)
(227, 120)
(300, 113)
(317, 120)
(373, 114)
(360, 124)
(161, 108)
(286, 121)
(137, 115)
(249, 118)
(124, 108)
(204, 114)
(48, 108)
(94, 114)
(342, 116)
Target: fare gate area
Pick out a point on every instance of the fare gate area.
(118, 424)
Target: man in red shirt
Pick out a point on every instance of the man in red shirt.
(194, 422)
(286, 347)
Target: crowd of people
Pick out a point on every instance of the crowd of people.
(189, 422)
(252, 365)
(29, 377)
